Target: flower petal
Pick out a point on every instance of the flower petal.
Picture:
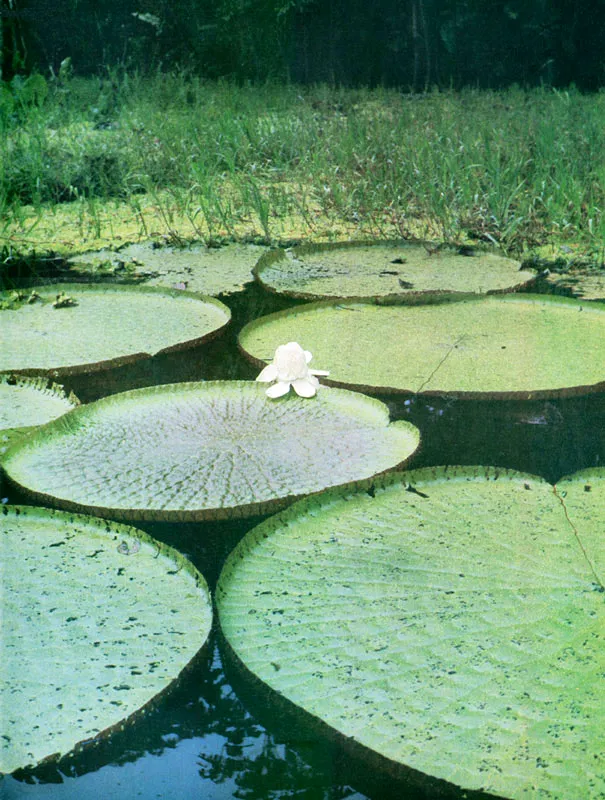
(278, 389)
(308, 356)
(318, 372)
(290, 362)
(304, 387)
(268, 374)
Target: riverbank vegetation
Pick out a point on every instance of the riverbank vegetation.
(93, 161)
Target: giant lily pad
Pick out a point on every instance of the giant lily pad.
(210, 270)
(27, 402)
(389, 269)
(206, 450)
(585, 283)
(523, 346)
(98, 620)
(448, 622)
(94, 327)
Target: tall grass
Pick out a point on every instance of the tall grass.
(513, 167)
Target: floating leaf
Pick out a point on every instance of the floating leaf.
(585, 283)
(523, 346)
(27, 402)
(448, 621)
(98, 620)
(387, 269)
(206, 450)
(583, 495)
(106, 326)
(210, 270)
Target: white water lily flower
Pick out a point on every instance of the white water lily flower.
(290, 368)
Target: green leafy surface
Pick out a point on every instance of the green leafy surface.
(27, 402)
(106, 325)
(31, 401)
(210, 270)
(585, 283)
(206, 450)
(456, 629)
(523, 346)
(387, 270)
(583, 495)
(97, 620)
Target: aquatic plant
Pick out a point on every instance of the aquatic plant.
(212, 450)
(184, 157)
(290, 369)
(74, 328)
(99, 620)
(388, 270)
(194, 267)
(444, 622)
(502, 346)
(28, 402)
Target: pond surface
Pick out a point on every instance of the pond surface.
(206, 739)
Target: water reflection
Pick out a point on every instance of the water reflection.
(201, 742)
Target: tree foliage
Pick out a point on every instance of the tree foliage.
(411, 43)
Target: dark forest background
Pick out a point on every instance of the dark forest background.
(414, 44)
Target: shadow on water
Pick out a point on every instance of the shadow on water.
(216, 736)
(549, 438)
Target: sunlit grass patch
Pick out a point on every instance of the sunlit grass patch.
(175, 156)
(177, 216)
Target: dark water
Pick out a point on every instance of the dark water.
(208, 739)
